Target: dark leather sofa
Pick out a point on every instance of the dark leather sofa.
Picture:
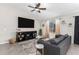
(56, 46)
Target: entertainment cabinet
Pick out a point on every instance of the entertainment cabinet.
(25, 30)
(25, 35)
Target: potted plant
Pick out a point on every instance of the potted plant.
(40, 32)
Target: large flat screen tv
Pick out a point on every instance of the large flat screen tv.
(25, 23)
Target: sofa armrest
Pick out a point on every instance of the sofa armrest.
(50, 49)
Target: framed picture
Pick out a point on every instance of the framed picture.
(52, 26)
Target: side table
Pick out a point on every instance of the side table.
(40, 47)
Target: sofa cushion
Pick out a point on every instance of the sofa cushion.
(66, 35)
(57, 35)
(57, 40)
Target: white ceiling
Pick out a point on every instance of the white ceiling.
(52, 9)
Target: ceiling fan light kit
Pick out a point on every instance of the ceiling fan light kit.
(37, 8)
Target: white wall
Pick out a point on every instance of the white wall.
(8, 21)
(65, 28)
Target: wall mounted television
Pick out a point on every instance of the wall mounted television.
(25, 23)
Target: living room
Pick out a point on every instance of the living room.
(48, 21)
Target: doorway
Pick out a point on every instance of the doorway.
(76, 32)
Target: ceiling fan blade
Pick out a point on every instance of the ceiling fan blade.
(32, 10)
(38, 5)
(39, 11)
(31, 6)
(42, 8)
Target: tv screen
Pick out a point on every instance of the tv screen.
(25, 23)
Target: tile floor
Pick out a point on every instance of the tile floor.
(22, 48)
(28, 48)
(73, 50)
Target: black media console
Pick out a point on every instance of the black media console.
(22, 36)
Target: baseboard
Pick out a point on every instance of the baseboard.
(4, 42)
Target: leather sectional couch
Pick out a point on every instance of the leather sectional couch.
(56, 46)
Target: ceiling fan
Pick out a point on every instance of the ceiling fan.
(37, 8)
